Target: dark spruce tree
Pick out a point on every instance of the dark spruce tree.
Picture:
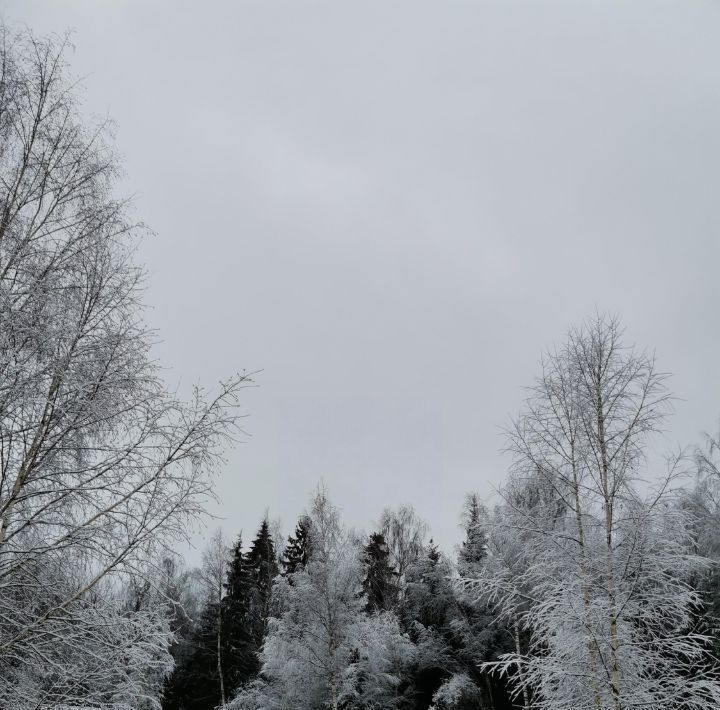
(194, 684)
(240, 661)
(379, 584)
(474, 548)
(297, 550)
(261, 567)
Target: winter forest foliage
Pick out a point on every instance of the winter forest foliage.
(590, 580)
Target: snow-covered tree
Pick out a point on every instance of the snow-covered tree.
(324, 651)
(458, 691)
(702, 502)
(454, 635)
(110, 651)
(604, 559)
(405, 533)
(100, 465)
(379, 664)
(474, 547)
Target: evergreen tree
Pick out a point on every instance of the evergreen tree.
(194, 683)
(474, 548)
(297, 550)
(261, 568)
(379, 582)
(452, 634)
(242, 612)
(239, 646)
(198, 682)
(424, 613)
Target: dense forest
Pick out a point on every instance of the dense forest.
(588, 580)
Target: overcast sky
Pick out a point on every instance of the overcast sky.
(392, 207)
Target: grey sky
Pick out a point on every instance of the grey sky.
(392, 207)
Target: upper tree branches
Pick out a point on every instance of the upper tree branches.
(99, 463)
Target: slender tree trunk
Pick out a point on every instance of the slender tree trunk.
(488, 688)
(608, 505)
(30, 458)
(518, 650)
(592, 651)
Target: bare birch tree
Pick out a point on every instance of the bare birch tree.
(99, 464)
(213, 574)
(405, 532)
(609, 557)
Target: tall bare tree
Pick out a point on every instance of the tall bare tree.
(99, 463)
(213, 574)
(606, 550)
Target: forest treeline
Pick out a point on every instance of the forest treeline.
(589, 581)
(574, 590)
(331, 618)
